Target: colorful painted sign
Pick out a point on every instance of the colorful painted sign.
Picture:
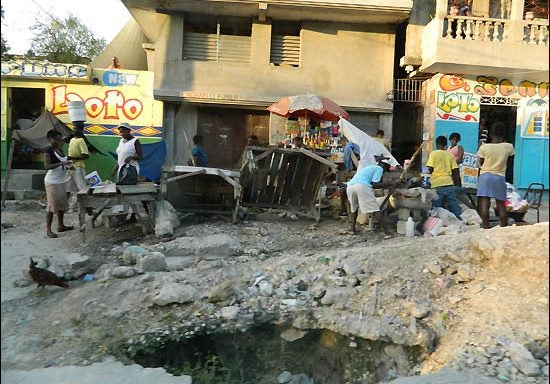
(41, 69)
(535, 123)
(459, 98)
(118, 96)
(458, 102)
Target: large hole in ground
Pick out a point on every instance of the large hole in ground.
(260, 355)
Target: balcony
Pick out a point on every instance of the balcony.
(478, 45)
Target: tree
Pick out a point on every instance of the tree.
(65, 41)
(5, 48)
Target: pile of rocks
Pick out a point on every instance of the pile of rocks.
(507, 360)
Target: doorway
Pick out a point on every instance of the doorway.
(506, 114)
(27, 104)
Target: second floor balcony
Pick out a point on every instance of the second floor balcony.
(488, 46)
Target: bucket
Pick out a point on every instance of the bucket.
(77, 111)
(93, 179)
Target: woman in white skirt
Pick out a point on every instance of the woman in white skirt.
(55, 161)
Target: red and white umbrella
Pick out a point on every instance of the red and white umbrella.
(312, 106)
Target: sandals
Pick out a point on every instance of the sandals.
(65, 228)
(51, 235)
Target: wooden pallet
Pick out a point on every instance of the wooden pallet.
(281, 178)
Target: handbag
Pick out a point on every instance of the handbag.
(127, 175)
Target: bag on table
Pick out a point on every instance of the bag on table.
(127, 175)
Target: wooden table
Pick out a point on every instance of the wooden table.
(185, 172)
(99, 198)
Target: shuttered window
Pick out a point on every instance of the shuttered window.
(228, 44)
(285, 43)
(285, 50)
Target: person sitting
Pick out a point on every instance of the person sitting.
(445, 177)
(253, 141)
(360, 191)
(298, 142)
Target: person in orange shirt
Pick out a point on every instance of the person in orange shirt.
(115, 64)
(491, 183)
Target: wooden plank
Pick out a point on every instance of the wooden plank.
(305, 184)
(332, 165)
(287, 187)
(207, 171)
(179, 177)
(105, 189)
(137, 189)
(273, 172)
(281, 175)
(8, 173)
(264, 155)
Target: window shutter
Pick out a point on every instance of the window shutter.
(234, 48)
(285, 50)
(200, 46)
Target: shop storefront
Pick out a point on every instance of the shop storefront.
(110, 97)
(470, 104)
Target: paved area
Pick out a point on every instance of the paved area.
(108, 372)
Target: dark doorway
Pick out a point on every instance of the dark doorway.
(225, 133)
(27, 106)
(507, 115)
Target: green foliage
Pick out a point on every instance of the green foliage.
(5, 47)
(65, 41)
(210, 372)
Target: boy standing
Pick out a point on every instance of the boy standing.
(445, 176)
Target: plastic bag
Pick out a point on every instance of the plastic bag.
(471, 217)
(127, 175)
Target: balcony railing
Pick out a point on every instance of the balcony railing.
(496, 30)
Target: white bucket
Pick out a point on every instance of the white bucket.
(93, 179)
(77, 111)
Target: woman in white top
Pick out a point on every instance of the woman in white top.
(55, 161)
(128, 150)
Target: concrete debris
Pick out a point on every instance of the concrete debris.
(284, 378)
(151, 262)
(222, 292)
(179, 263)
(339, 295)
(523, 359)
(174, 293)
(131, 254)
(292, 334)
(107, 372)
(166, 219)
(251, 231)
(123, 272)
(230, 313)
(219, 244)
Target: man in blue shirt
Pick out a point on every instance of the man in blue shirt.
(199, 155)
(360, 191)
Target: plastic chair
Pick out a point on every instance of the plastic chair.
(533, 195)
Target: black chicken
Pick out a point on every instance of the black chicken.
(43, 277)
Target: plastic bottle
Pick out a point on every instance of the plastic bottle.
(409, 227)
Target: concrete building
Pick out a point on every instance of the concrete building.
(219, 63)
(489, 66)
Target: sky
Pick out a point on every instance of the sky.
(104, 17)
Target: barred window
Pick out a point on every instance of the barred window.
(207, 38)
(285, 44)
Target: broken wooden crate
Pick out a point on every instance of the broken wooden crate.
(287, 179)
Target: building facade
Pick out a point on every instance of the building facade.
(219, 64)
(485, 67)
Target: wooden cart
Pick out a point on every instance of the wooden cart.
(281, 178)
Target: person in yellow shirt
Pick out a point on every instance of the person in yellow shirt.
(78, 152)
(492, 159)
(445, 177)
